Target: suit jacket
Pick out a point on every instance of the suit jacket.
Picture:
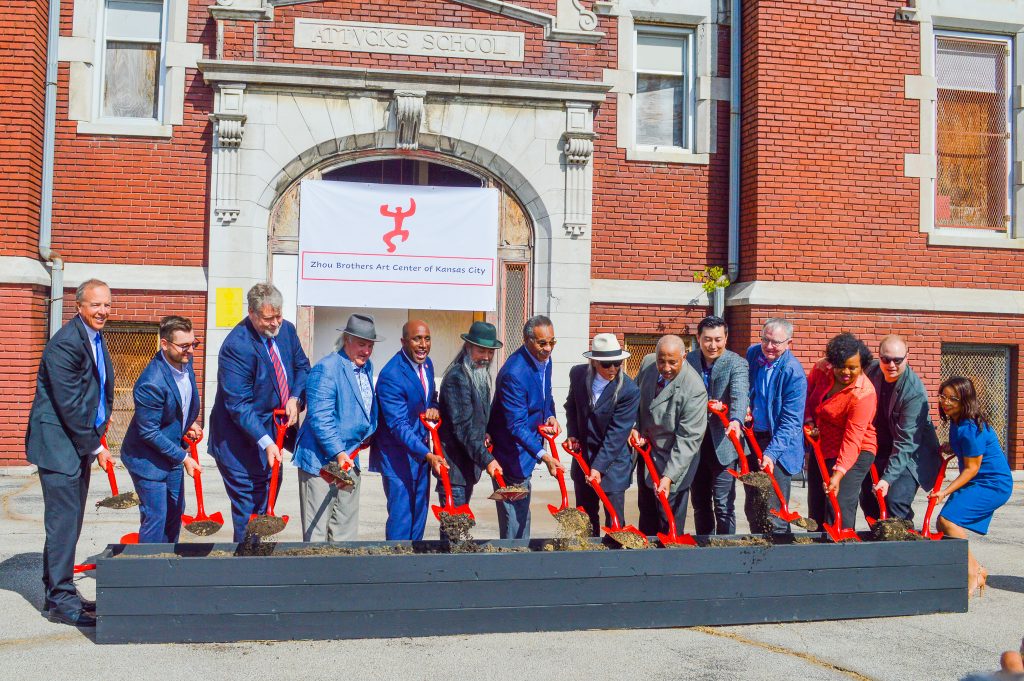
(786, 400)
(520, 405)
(401, 444)
(152, 446)
(336, 420)
(61, 424)
(464, 417)
(729, 383)
(602, 428)
(247, 395)
(674, 422)
(915, 444)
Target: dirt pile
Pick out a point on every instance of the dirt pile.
(456, 527)
(894, 529)
(339, 474)
(265, 525)
(202, 528)
(122, 500)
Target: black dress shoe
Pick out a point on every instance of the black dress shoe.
(87, 605)
(78, 618)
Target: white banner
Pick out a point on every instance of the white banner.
(397, 246)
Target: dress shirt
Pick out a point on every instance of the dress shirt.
(762, 385)
(597, 387)
(92, 333)
(416, 369)
(181, 380)
(846, 419)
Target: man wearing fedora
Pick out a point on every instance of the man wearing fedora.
(402, 451)
(341, 414)
(465, 405)
(599, 413)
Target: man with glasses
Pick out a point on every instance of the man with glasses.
(522, 402)
(778, 391)
(907, 443)
(166, 408)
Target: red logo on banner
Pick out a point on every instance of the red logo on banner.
(398, 215)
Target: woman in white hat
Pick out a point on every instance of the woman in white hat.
(600, 411)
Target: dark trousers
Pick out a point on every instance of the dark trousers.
(408, 502)
(818, 505)
(753, 500)
(64, 498)
(591, 503)
(652, 514)
(898, 500)
(161, 504)
(247, 494)
(713, 493)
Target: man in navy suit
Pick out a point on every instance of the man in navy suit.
(522, 402)
(261, 367)
(70, 413)
(166, 408)
(401, 451)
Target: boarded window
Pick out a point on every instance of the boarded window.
(664, 80)
(988, 367)
(972, 133)
(131, 60)
(131, 347)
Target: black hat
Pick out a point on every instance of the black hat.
(483, 335)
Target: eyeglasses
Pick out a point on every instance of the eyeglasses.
(774, 343)
(543, 343)
(185, 347)
(609, 365)
(947, 398)
(891, 360)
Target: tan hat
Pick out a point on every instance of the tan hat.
(605, 348)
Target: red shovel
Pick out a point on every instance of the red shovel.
(926, 526)
(617, 532)
(269, 524)
(672, 538)
(449, 507)
(836, 530)
(341, 479)
(883, 510)
(560, 476)
(783, 511)
(115, 500)
(721, 410)
(200, 524)
(504, 492)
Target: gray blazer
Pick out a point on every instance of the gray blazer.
(915, 445)
(730, 383)
(674, 422)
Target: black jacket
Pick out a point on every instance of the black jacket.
(463, 426)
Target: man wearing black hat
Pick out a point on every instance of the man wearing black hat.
(465, 405)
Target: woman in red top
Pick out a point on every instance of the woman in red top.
(841, 406)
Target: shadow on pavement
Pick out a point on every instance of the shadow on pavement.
(22, 573)
(1006, 583)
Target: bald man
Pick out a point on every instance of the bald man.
(401, 452)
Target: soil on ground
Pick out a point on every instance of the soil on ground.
(512, 492)
(894, 529)
(752, 540)
(202, 528)
(629, 540)
(122, 500)
(759, 501)
(265, 525)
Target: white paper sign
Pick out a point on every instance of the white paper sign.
(397, 246)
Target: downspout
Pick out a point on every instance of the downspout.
(46, 199)
(735, 69)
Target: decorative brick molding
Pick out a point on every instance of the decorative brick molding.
(408, 112)
(229, 122)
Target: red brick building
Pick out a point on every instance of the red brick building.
(874, 187)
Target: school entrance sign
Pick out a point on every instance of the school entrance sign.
(397, 246)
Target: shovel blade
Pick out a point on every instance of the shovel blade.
(266, 525)
(678, 540)
(437, 511)
(622, 535)
(505, 494)
(788, 517)
(735, 474)
(130, 538)
(554, 509)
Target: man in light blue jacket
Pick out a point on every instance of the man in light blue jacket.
(341, 414)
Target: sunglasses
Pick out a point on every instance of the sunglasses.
(609, 365)
(892, 360)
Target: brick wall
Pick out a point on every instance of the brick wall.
(18, 370)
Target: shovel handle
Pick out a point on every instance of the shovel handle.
(550, 438)
(820, 459)
(756, 448)
(926, 526)
(110, 468)
(578, 455)
(281, 424)
(721, 410)
(645, 452)
(194, 453)
(883, 511)
(500, 479)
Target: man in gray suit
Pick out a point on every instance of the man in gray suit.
(70, 413)
(725, 377)
(908, 448)
(673, 417)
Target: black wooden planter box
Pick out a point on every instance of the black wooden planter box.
(187, 599)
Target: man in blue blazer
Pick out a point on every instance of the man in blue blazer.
(166, 408)
(522, 402)
(261, 367)
(778, 391)
(70, 412)
(401, 452)
(341, 414)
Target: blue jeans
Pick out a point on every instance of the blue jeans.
(161, 505)
(514, 516)
(713, 493)
(898, 500)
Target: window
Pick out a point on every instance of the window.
(664, 100)
(639, 345)
(972, 133)
(132, 80)
(131, 347)
(988, 367)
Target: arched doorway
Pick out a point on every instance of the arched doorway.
(318, 325)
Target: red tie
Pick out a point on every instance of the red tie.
(423, 379)
(282, 377)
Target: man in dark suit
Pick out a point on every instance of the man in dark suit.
(402, 451)
(522, 402)
(261, 367)
(465, 405)
(600, 412)
(713, 493)
(908, 447)
(166, 407)
(70, 413)
(673, 417)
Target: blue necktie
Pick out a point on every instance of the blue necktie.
(101, 408)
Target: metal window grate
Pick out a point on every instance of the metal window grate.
(515, 296)
(972, 133)
(988, 366)
(639, 345)
(131, 346)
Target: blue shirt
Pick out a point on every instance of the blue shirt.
(181, 380)
(759, 405)
(540, 366)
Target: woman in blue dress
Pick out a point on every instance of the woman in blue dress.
(984, 483)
